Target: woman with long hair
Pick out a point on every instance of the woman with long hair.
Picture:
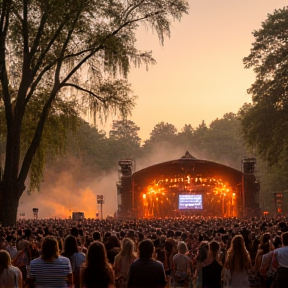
(201, 259)
(70, 247)
(97, 272)
(10, 276)
(264, 248)
(123, 261)
(237, 264)
(76, 258)
(113, 247)
(50, 269)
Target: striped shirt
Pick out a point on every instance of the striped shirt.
(50, 273)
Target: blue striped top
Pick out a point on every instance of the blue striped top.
(50, 274)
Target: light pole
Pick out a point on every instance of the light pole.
(100, 201)
(35, 213)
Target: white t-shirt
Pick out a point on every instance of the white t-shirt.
(11, 277)
(281, 255)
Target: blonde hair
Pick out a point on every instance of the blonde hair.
(5, 260)
(182, 247)
(127, 247)
(238, 258)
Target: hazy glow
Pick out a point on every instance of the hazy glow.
(199, 73)
(199, 76)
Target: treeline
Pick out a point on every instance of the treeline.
(221, 142)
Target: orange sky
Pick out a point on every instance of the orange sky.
(199, 73)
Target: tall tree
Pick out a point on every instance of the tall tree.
(56, 49)
(124, 141)
(185, 137)
(125, 129)
(163, 131)
(265, 123)
(224, 143)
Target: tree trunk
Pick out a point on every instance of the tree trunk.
(9, 200)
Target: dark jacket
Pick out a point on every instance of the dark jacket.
(146, 273)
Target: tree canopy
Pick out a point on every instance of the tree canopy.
(67, 50)
(265, 122)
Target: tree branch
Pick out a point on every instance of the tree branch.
(128, 11)
(39, 34)
(25, 31)
(65, 44)
(101, 46)
(42, 55)
(84, 90)
(38, 79)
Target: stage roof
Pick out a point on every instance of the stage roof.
(187, 166)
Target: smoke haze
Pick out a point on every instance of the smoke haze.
(72, 189)
(70, 186)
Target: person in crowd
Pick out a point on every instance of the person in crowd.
(113, 247)
(169, 253)
(237, 265)
(264, 247)
(97, 272)
(189, 241)
(146, 272)
(11, 246)
(70, 247)
(182, 265)
(165, 255)
(123, 261)
(277, 242)
(10, 276)
(76, 258)
(50, 269)
(201, 258)
(74, 231)
(254, 249)
(266, 270)
(280, 263)
(211, 272)
(96, 236)
(60, 244)
(23, 257)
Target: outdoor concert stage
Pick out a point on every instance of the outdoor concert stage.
(187, 186)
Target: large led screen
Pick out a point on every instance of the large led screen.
(188, 201)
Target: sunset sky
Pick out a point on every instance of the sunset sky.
(199, 73)
(199, 76)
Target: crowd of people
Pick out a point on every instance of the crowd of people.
(194, 251)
